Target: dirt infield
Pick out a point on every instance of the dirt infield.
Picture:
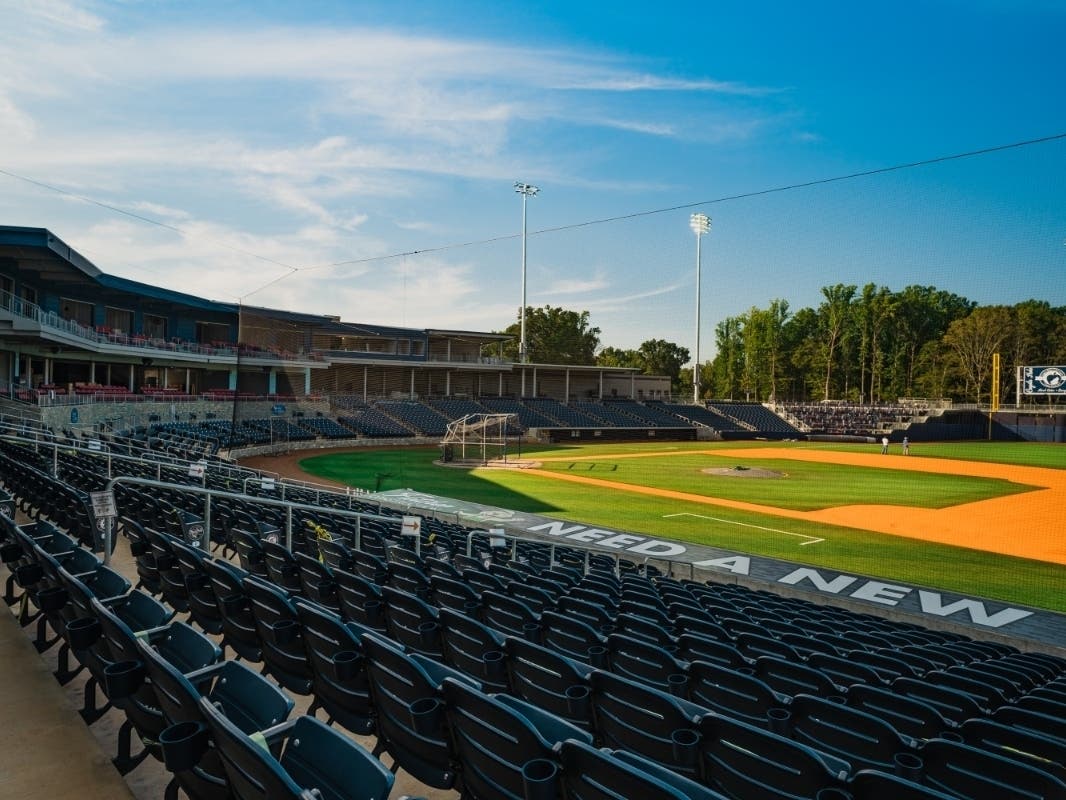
(1026, 525)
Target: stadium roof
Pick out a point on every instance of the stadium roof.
(59, 263)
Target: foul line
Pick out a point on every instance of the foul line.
(811, 539)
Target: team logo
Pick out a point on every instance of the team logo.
(1050, 378)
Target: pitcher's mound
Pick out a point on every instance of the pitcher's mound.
(743, 472)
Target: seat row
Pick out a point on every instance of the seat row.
(298, 642)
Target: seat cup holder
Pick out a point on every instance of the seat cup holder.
(540, 778)
(745, 670)
(52, 599)
(138, 548)
(598, 656)
(685, 744)
(123, 679)
(28, 574)
(577, 700)
(83, 633)
(908, 766)
(183, 745)
(952, 736)
(778, 720)
(429, 633)
(426, 715)
(232, 604)
(11, 552)
(286, 631)
(493, 664)
(472, 608)
(346, 665)
(531, 632)
(677, 684)
(373, 611)
(832, 793)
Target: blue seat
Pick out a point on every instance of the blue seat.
(280, 634)
(549, 680)
(734, 693)
(647, 663)
(591, 774)
(742, 761)
(360, 600)
(475, 650)
(315, 761)
(976, 774)
(250, 701)
(281, 567)
(238, 622)
(658, 726)
(317, 583)
(573, 638)
(1045, 752)
(411, 724)
(869, 784)
(791, 678)
(413, 623)
(510, 616)
(171, 579)
(910, 716)
(861, 739)
(340, 684)
(203, 605)
(496, 736)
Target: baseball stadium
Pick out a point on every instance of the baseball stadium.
(481, 576)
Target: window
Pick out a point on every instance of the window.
(155, 327)
(119, 320)
(77, 311)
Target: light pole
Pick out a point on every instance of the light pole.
(700, 224)
(527, 190)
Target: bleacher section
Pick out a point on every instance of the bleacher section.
(416, 416)
(374, 424)
(850, 419)
(498, 670)
(701, 415)
(755, 417)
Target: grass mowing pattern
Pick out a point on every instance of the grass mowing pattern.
(909, 561)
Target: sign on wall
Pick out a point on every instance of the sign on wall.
(1043, 380)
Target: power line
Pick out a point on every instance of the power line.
(557, 229)
(757, 193)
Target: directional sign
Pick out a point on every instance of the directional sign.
(411, 526)
(103, 504)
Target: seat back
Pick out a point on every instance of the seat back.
(474, 649)
(633, 717)
(411, 723)
(335, 651)
(413, 623)
(548, 680)
(737, 694)
(238, 623)
(741, 760)
(360, 600)
(280, 635)
(592, 774)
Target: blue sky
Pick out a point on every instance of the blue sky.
(295, 147)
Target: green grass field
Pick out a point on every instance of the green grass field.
(803, 486)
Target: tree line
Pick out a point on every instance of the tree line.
(864, 345)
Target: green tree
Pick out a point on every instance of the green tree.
(616, 357)
(973, 340)
(835, 314)
(555, 336)
(660, 357)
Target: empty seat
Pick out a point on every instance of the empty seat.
(339, 680)
(314, 761)
(497, 737)
(549, 680)
(411, 724)
(280, 634)
(654, 724)
(743, 761)
(475, 650)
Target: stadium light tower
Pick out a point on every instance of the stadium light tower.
(527, 190)
(700, 224)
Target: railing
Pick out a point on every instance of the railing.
(20, 307)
